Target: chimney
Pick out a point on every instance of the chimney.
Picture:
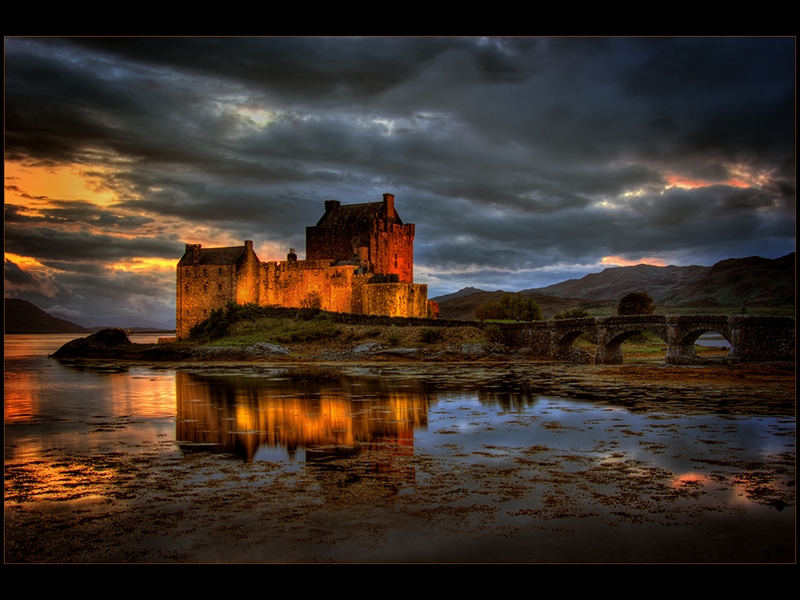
(194, 249)
(331, 204)
(291, 257)
(388, 203)
(248, 244)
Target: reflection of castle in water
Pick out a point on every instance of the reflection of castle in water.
(325, 413)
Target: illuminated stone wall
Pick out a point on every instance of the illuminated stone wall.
(392, 250)
(207, 279)
(288, 283)
(372, 233)
(360, 260)
(396, 299)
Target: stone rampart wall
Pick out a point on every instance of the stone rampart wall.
(396, 299)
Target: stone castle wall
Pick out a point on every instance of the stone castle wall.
(360, 260)
(396, 300)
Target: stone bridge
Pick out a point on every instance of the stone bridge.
(752, 338)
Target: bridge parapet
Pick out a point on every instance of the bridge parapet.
(753, 338)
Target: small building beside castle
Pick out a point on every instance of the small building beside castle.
(359, 259)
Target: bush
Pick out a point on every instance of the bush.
(510, 306)
(430, 335)
(220, 319)
(394, 337)
(310, 305)
(489, 310)
(572, 313)
(493, 334)
(636, 303)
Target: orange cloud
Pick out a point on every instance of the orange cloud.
(618, 261)
(44, 183)
(23, 262)
(150, 265)
(690, 184)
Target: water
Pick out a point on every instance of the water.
(712, 340)
(373, 462)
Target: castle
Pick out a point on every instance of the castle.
(359, 259)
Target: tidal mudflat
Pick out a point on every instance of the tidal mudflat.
(400, 462)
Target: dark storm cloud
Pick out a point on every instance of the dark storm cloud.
(47, 243)
(15, 276)
(72, 211)
(511, 155)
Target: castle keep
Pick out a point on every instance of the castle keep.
(359, 259)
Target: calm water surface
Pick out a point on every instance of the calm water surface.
(373, 463)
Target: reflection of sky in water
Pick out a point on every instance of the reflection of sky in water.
(84, 409)
(696, 452)
(47, 405)
(564, 425)
(296, 418)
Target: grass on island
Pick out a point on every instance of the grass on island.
(244, 326)
(322, 331)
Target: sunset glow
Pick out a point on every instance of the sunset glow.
(618, 261)
(40, 184)
(690, 184)
(145, 265)
(24, 262)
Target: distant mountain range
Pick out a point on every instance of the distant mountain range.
(23, 317)
(753, 281)
(132, 323)
(613, 283)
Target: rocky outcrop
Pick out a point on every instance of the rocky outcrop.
(97, 345)
(113, 344)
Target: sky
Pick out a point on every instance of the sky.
(523, 162)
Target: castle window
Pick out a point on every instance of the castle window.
(395, 261)
(188, 272)
(205, 272)
(205, 287)
(186, 288)
(219, 287)
(219, 271)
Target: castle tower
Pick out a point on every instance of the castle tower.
(373, 232)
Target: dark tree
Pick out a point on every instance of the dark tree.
(636, 303)
(510, 306)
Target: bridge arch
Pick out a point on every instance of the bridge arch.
(613, 331)
(684, 331)
(682, 350)
(751, 337)
(565, 348)
(564, 344)
(563, 335)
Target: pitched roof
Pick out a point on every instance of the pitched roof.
(350, 213)
(213, 256)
